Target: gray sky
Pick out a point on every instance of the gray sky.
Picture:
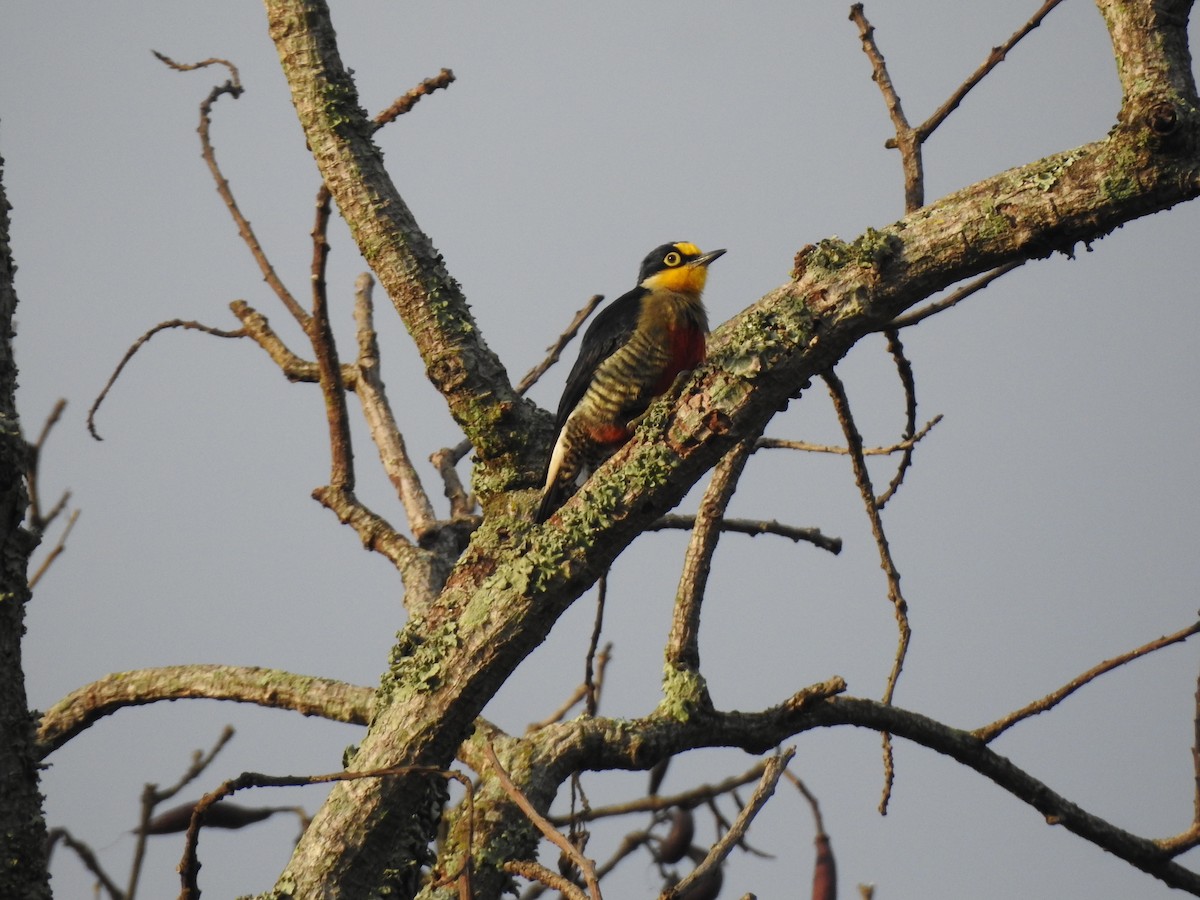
(1049, 522)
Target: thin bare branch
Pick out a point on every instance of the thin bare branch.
(753, 528)
(293, 367)
(955, 298)
(462, 504)
(407, 101)
(683, 643)
(152, 797)
(233, 87)
(554, 351)
(320, 334)
(377, 411)
(189, 865)
(767, 443)
(906, 138)
(51, 420)
(551, 834)
(990, 732)
(539, 873)
(580, 693)
(1196, 760)
(904, 370)
(59, 548)
(862, 478)
(655, 803)
(772, 772)
(591, 685)
(137, 345)
(994, 59)
(87, 857)
(375, 532)
(39, 520)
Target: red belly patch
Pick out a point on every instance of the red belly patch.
(687, 351)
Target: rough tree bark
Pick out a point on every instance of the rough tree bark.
(22, 827)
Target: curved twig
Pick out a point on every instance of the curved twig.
(905, 371)
(753, 527)
(989, 733)
(234, 88)
(716, 855)
(551, 834)
(80, 709)
(863, 479)
(137, 345)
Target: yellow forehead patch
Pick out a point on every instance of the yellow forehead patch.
(687, 249)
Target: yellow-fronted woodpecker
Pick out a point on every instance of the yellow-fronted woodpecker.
(630, 354)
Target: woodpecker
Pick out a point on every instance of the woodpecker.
(630, 354)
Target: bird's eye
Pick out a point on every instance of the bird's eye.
(672, 259)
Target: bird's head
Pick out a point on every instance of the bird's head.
(680, 267)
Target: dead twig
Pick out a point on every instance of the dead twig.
(904, 370)
(753, 527)
(580, 693)
(320, 334)
(87, 857)
(189, 865)
(990, 732)
(655, 803)
(152, 797)
(994, 59)
(955, 298)
(555, 837)
(536, 872)
(862, 478)
(137, 345)
(233, 87)
(377, 411)
(59, 548)
(716, 855)
(407, 101)
(766, 443)
(683, 643)
(592, 687)
(907, 139)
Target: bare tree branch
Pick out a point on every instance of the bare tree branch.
(955, 298)
(906, 138)
(377, 411)
(137, 345)
(88, 858)
(767, 443)
(989, 733)
(994, 59)
(233, 87)
(683, 643)
(551, 834)
(863, 478)
(309, 696)
(407, 101)
(716, 855)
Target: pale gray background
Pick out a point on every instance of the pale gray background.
(1050, 522)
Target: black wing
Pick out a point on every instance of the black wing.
(608, 331)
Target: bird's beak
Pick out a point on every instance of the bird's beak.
(707, 258)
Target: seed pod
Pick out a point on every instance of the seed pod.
(679, 839)
(220, 815)
(825, 871)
